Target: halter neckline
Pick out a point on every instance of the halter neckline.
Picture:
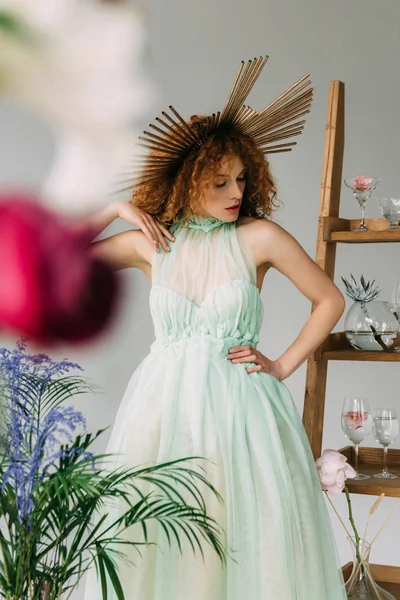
(205, 223)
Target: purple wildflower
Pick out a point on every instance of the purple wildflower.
(33, 437)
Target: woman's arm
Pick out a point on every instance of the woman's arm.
(125, 250)
(278, 248)
(98, 221)
(132, 248)
(274, 247)
(152, 229)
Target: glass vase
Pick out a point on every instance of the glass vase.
(371, 326)
(361, 585)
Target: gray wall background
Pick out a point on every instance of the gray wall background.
(193, 52)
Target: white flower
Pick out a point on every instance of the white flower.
(80, 66)
(333, 471)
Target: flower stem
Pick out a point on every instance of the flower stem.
(338, 516)
(353, 525)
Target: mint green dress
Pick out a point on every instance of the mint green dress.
(187, 399)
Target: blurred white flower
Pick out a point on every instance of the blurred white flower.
(79, 63)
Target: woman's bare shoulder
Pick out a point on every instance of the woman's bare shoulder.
(261, 234)
(255, 229)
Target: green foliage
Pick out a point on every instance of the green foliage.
(11, 25)
(365, 291)
(73, 524)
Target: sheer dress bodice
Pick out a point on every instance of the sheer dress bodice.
(205, 288)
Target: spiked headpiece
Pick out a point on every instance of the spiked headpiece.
(172, 139)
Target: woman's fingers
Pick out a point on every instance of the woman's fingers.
(245, 358)
(237, 349)
(157, 236)
(242, 354)
(156, 232)
(255, 369)
(145, 227)
(159, 233)
(248, 354)
(165, 231)
(150, 229)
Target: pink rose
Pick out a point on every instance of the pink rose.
(51, 288)
(356, 419)
(362, 183)
(333, 471)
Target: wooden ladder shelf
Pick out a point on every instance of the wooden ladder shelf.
(331, 231)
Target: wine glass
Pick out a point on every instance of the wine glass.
(396, 294)
(394, 306)
(385, 428)
(390, 210)
(356, 425)
(362, 188)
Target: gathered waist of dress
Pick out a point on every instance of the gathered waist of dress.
(220, 345)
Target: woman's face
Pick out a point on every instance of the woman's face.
(223, 197)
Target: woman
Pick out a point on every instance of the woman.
(206, 390)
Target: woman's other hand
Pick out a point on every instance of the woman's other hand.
(155, 231)
(245, 354)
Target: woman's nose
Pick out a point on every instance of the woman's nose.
(237, 192)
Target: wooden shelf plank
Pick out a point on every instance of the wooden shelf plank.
(370, 462)
(356, 355)
(392, 588)
(337, 347)
(336, 229)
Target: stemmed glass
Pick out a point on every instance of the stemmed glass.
(356, 425)
(390, 210)
(394, 306)
(385, 428)
(362, 188)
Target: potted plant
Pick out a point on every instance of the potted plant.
(369, 323)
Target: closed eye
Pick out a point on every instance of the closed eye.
(241, 179)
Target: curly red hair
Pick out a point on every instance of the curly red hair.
(178, 196)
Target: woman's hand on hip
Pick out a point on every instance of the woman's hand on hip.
(155, 231)
(244, 354)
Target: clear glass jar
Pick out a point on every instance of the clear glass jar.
(371, 326)
(361, 585)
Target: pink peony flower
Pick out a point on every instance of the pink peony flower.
(362, 183)
(333, 471)
(51, 288)
(356, 419)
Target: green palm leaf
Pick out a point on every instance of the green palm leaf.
(72, 525)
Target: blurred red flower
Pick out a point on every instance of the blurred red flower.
(51, 288)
